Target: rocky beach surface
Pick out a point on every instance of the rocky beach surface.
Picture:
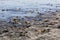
(44, 26)
(29, 20)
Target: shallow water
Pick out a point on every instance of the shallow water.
(43, 6)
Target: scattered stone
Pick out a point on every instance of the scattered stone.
(58, 26)
(5, 30)
(43, 30)
(23, 33)
(57, 18)
(3, 9)
(45, 24)
(52, 23)
(46, 20)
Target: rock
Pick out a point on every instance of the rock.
(46, 20)
(58, 26)
(51, 23)
(44, 24)
(3, 10)
(14, 19)
(5, 30)
(57, 18)
(43, 30)
(23, 33)
(26, 24)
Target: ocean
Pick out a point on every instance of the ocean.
(9, 8)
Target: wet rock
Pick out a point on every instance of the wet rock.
(5, 30)
(58, 26)
(57, 18)
(51, 23)
(46, 20)
(44, 24)
(3, 10)
(15, 21)
(22, 33)
(27, 24)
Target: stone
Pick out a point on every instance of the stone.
(5, 30)
(46, 20)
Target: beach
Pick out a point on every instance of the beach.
(42, 27)
(29, 20)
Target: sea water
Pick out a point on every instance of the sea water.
(26, 5)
